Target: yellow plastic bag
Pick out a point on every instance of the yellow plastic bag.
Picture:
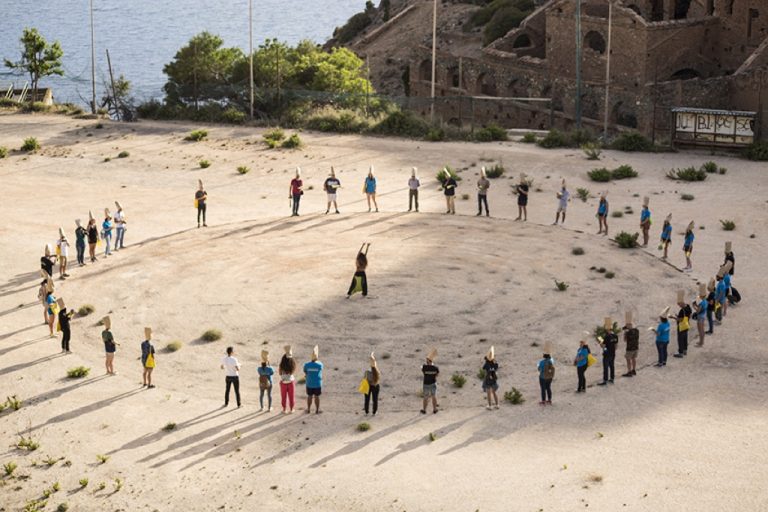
(590, 360)
(196, 205)
(150, 361)
(684, 325)
(364, 386)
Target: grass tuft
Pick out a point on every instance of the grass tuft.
(85, 310)
(204, 164)
(577, 251)
(561, 285)
(514, 396)
(458, 380)
(583, 194)
(196, 136)
(243, 169)
(78, 372)
(30, 145)
(363, 427)
(211, 335)
(728, 225)
(169, 426)
(173, 346)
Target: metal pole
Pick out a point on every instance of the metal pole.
(434, 61)
(93, 63)
(578, 63)
(250, 46)
(608, 71)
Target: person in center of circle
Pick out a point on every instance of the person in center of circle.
(331, 186)
(373, 376)
(602, 214)
(295, 191)
(413, 190)
(429, 390)
(490, 379)
(522, 190)
(201, 202)
(313, 373)
(449, 189)
(369, 188)
(482, 193)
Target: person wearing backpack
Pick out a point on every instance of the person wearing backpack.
(581, 361)
(546, 374)
(265, 372)
(490, 379)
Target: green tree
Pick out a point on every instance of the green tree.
(38, 58)
(200, 71)
(118, 101)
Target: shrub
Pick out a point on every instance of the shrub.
(50, 461)
(123, 154)
(687, 197)
(632, 141)
(169, 426)
(495, 171)
(354, 26)
(13, 402)
(709, 167)
(490, 133)
(101, 486)
(56, 487)
(529, 138)
(465, 197)
(757, 151)
(432, 437)
(78, 372)
(102, 458)
(292, 142)
(583, 194)
(481, 374)
(83, 482)
(592, 150)
(63, 507)
(9, 468)
(196, 135)
(577, 251)
(600, 270)
(441, 175)
(85, 310)
(27, 443)
(363, 427)
(435, 134)
(204, 164)
(402, 124)
(617, 214)
(231, 115)
(561, 285)
(243, 169)
(687, 174)
(173, 346)
(30, 145)
(211, 335)
(554, 139)
(337, 121)
(107, 159)
(722, 170)
(599, 331)
(610, 275)
(728, 225)
(623, 172)
(3, 151)
(600, 175)
(580, 136)
(627, 240)
(514, 396)
(274, 134)
(458, 380)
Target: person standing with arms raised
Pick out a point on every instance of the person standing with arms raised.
(373, 376)
(522, 190)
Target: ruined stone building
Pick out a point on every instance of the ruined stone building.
(710, 54)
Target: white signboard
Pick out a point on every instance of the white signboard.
(714, 126)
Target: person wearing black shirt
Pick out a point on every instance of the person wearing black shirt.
(711, 307)
(47, 260)
(430, 372)
(330, 186)
(522, 199)
(683, 325)
(490, 379)
(201, 197)
(449, 189)
(80, 235)
(632, 338)
(93, 238)
(64, 317)
(609, 343)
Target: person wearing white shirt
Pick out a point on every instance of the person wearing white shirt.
(120, 226)
(62, 249)
(562, 204)
(232, 367)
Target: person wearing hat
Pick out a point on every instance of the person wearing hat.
(62, 249)
(703, 310)
(106, 232)
(64, 318)
(581, 362)
(231, 366)
(201, 201)
(522, 190)
(726, 271)
(721, 296)
(147, 358)
(609, 342)
(373, 376)
(93, 237)
(632, 339)
(295, 191)
(286, 369)
(666, 236)
(662, 337)
(47, 260)
(429, 387)
(110, 346)
(563, 196)
(331, 185)
(265, 372)
(482, 193)
(80, 236)
(645, 220)
(449, 190)
(413, 190)
(119, 226)
(313, 373)
(688, 247)
(360, 279)
(710, 306)
(729, 256)
(602, 214)
(51, 306)
(683, 324)
(369, 188)
(546, 368)
(42, 294)
(490, 379)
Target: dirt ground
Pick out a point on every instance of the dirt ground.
(690, 436)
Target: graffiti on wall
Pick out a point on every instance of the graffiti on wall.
(701, 126)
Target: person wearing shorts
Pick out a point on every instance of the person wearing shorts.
(522, 199)
(632, 339)
(313, 373)
(688, 247)
(369, 187)
(110, 347)
(93, 238)
(666, 236)
(430, 372)
(562, 203)
(602, 214)
(490, 379)
(331, 184)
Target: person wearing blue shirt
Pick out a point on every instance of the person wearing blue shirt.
(313, 372)
(106, 230)
(720, 298)
(645, 221)
(370, 189)
(703, 311)
(265, 372)
(662, 338)
(727, 281)
(582, 356)
(688, 246)
(602, 214)
(666, 235)
(546, 369)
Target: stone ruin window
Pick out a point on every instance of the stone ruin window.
(595, 41)
(453, 76)
(486, 85)
(425, 70)
(685, 74)
(681, 9)
(522, 41)
(753, 14)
